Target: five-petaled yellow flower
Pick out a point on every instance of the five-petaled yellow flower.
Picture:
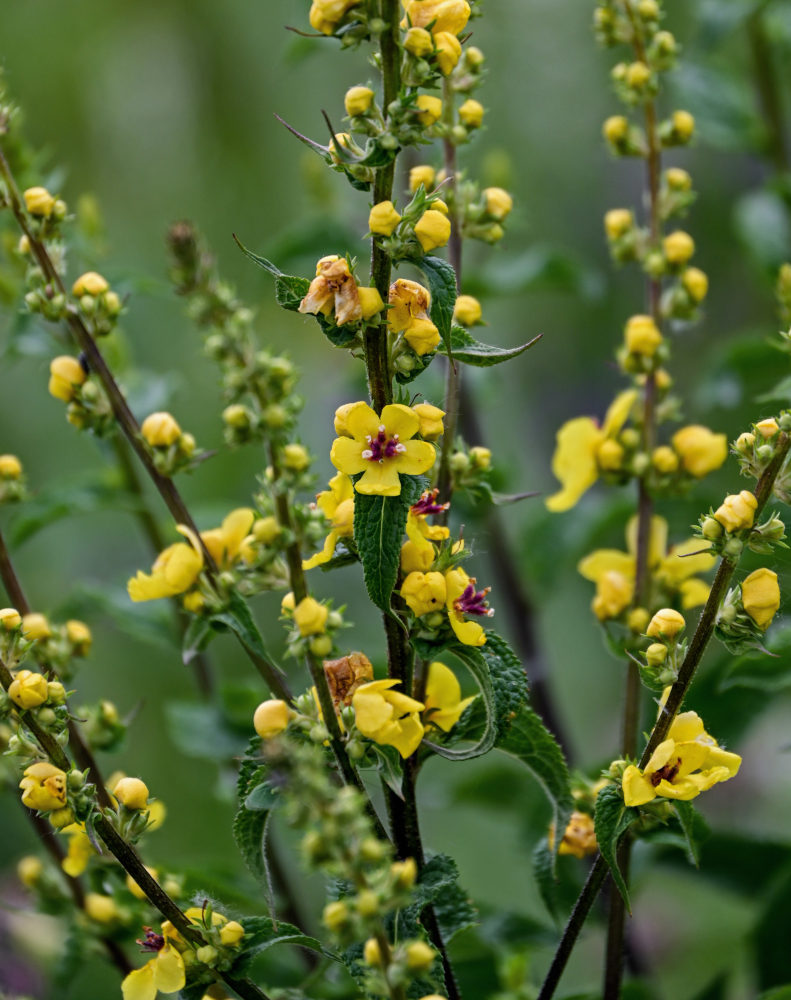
(687, 763)
(164, 973)
(463, 599)
(380, 447)
(337, 505)
(388, 717)
(579, 441)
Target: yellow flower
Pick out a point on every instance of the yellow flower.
(578, 442)
(448, 51)
(737, 511)
(666, 624)
(231, 933)
(678, 179)
(418, 554)
(431, 426)
(678, 247)
(89, 283)
(10, 619)
(175, 571)
(333, 289)
(79, 852)
(65, 374)
(271, 718)
(463, 599)
(579, 838)
(444, 704)
(326, 15)
(310, 616)
(429, 108)
(687, 763)
(480, 457)
(39, 202)
(10, 467)
(760, 596)
(100, 908)
(29, 870)
(615, 129)
(419, 42)
(438, 15)
(498, 202)
(358, 100)
(43, 787)
(424, 592)
(388, 717)
(410, 303)
(664, 459)
(380, 447)
(132, 793)
(337, 505)
(614, 593)
(642, 336)
(701, 451)
(36, 626)
(79, 635)
(422, 174)
(28, 689)
(383, 218)
(164, 973)
(467, 310)
(432, 230)
(160, 430)
(471, 113)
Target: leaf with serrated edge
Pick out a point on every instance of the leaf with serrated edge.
(612, 818)
(478, 666)
(441, 280)
(473, 352)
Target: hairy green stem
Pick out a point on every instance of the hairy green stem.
(678, 691)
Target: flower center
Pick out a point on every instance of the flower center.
(382, 447)
(427, 504)
(473, 602)
(666, 773)
(152, 941)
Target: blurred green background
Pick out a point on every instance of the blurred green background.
(165, 111)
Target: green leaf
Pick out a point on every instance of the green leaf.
(378, 532)
(439, 885)
(694, 828)
(290, 290)
(248, 832)
(389, 766)
(508, 679)
(239, 619)
(267, 265)
(188, 726)
(756, 670)
(546, 879)
(262, 798)
(70, 961)
(478, 665)
(770, 933)
(197, 637)
(470, 351)
(612, 818)
(441, 280)
(261, 933)
(528, 739)
(778, 993)
(762, 223)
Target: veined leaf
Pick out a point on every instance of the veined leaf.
(694, 828)
(439, 885)
(441, 279)
(612, 818)
(546, 880)
(470, 351)
(248, 832)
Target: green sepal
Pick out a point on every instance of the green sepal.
(612, 819)
(473, 352)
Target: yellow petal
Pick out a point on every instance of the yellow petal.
(361, 421)
(657, 542)
(400, 420)
(324, 555)
(683, 789)
(618, 412)
(346, 455)
(594, 566)
(417, 459)
(468, 632)
(380, 479)
(402, 703)
(694, 593)
(169, 970)
(637, 789)
(686, 726)
(574, 461)
(679, 564)
(442, 686)
(139, 984)
(661, 755)
(406, 739)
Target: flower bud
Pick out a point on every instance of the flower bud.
(231, 933)
(321, 645)
(656, 654)
(666, 623)
(160, 430)
(10, 619)
(637, 75)
(271, 718)
(610, 455)
(615, 129)
(132, 793)
(664, 459)
(89, 283)
(101, 909)
(419, 956)
(383, 218)
(36, 626)
(481, 457)
(678, 247)
(448, 51)
(498, 202)
(237, 416)
(744, 443)
(295, 457)
(618, 222)
(696, 283)
(432, 230)
(79, 635)
(358, 101)
(761, 596)
(419, 42)
(768, 428)
(471, 113)
(10, 467)
(711, 529)
(43, 787)
(404, 873)
(206, 954)
(737, 511)
(422, 174)
(28, 689)
(683, 125)
(467, 310)
(266, 530)
(642, 336)
(678, 179)
(29, 870)
(39, 202)
(429, 108)
(372, 953)
(648, 10)
(701, 450)
(310, 616)
(66, 373)
(335, 916)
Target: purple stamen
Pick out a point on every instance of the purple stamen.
(152, 941)
(472, 602)
(427, 504)
(382, 446)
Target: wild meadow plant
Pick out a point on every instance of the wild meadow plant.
(337, 744)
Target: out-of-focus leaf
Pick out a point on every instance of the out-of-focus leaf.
(761, 221)
(542, 266)
(694, 828)
(388, 762)
(146, 622)
(769, 674)
(200, 731)
(439, 885)
(723, 107)
(770, 935)
(778, 993)
(741, 864)
(546, 879)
